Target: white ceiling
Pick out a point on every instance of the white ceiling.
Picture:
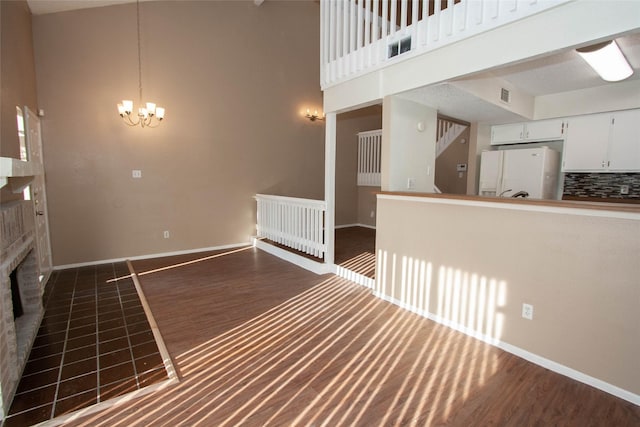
(555, 73)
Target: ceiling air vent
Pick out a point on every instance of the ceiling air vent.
(505, 95)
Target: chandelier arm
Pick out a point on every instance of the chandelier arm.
(130, 122)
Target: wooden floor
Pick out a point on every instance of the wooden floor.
(355, 250)
(257, 341)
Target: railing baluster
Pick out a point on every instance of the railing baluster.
(450, 16)
(346, 32)
(359, 44)
(392, 20)
(436, 20)
(385, 21)
(375, 31)
(367, 31)
(339, 34)
(403, 15)
(414, 24)
(332, 37)
(293, 222)
(352, 36)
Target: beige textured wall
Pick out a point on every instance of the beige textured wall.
(234, 79)
(407, 152)
(447, 178)
(367, 204)
(17, 75)
(347, 190)
(476, 266)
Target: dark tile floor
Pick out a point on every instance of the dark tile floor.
(94, 343)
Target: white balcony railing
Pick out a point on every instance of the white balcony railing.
(359, 36)
(292, 222)
(369, 157)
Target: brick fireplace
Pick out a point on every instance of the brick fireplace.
(18, 271)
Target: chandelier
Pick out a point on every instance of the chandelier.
(150, 115)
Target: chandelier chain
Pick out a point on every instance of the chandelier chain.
(139, 50)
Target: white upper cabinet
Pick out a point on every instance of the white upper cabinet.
(519, 133)
(585, 146)
(607, 142)
(624, 147)
(544, 130)
(507, 134)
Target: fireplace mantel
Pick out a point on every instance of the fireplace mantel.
(18, 172)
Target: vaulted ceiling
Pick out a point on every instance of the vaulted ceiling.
(554, 73)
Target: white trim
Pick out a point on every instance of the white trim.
(162, 348)
(354, 277)
(63, 419)
(517, 351)
(601, 211)
(355, 225)
(300, 261)
(149, 256)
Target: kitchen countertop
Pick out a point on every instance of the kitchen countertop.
(573, 204)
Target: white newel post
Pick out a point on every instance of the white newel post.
(330, 185)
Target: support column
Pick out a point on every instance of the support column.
(330, 185)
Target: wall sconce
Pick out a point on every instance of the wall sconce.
(313, 117)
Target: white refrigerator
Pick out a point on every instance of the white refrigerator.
(522, 172)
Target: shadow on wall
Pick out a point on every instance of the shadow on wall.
(465, 301)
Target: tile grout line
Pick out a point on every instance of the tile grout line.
(64, 348)
(126, 329)
(95, 282)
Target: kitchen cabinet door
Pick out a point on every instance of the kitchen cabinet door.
(504, 134)
(586, 143)
(624, 147)
(544, 130)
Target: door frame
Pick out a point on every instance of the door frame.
(40, 208)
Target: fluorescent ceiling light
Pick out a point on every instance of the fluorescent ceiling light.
(607, 60)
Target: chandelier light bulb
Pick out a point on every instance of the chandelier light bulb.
(128, 106)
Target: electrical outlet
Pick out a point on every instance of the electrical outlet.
(527, 311)
(624, 189)
(411, 183)
(136, 173)
(372, 214)
(166, 234)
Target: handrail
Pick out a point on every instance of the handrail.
(313, 202)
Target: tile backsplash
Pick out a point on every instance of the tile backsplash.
(602, 185)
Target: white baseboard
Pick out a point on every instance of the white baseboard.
(527, 355)
(158, 255)
(355, 225)
(300, 261)
(358, 278)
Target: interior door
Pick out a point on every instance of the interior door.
(39, 195)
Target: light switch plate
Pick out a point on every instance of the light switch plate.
(136, 173)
